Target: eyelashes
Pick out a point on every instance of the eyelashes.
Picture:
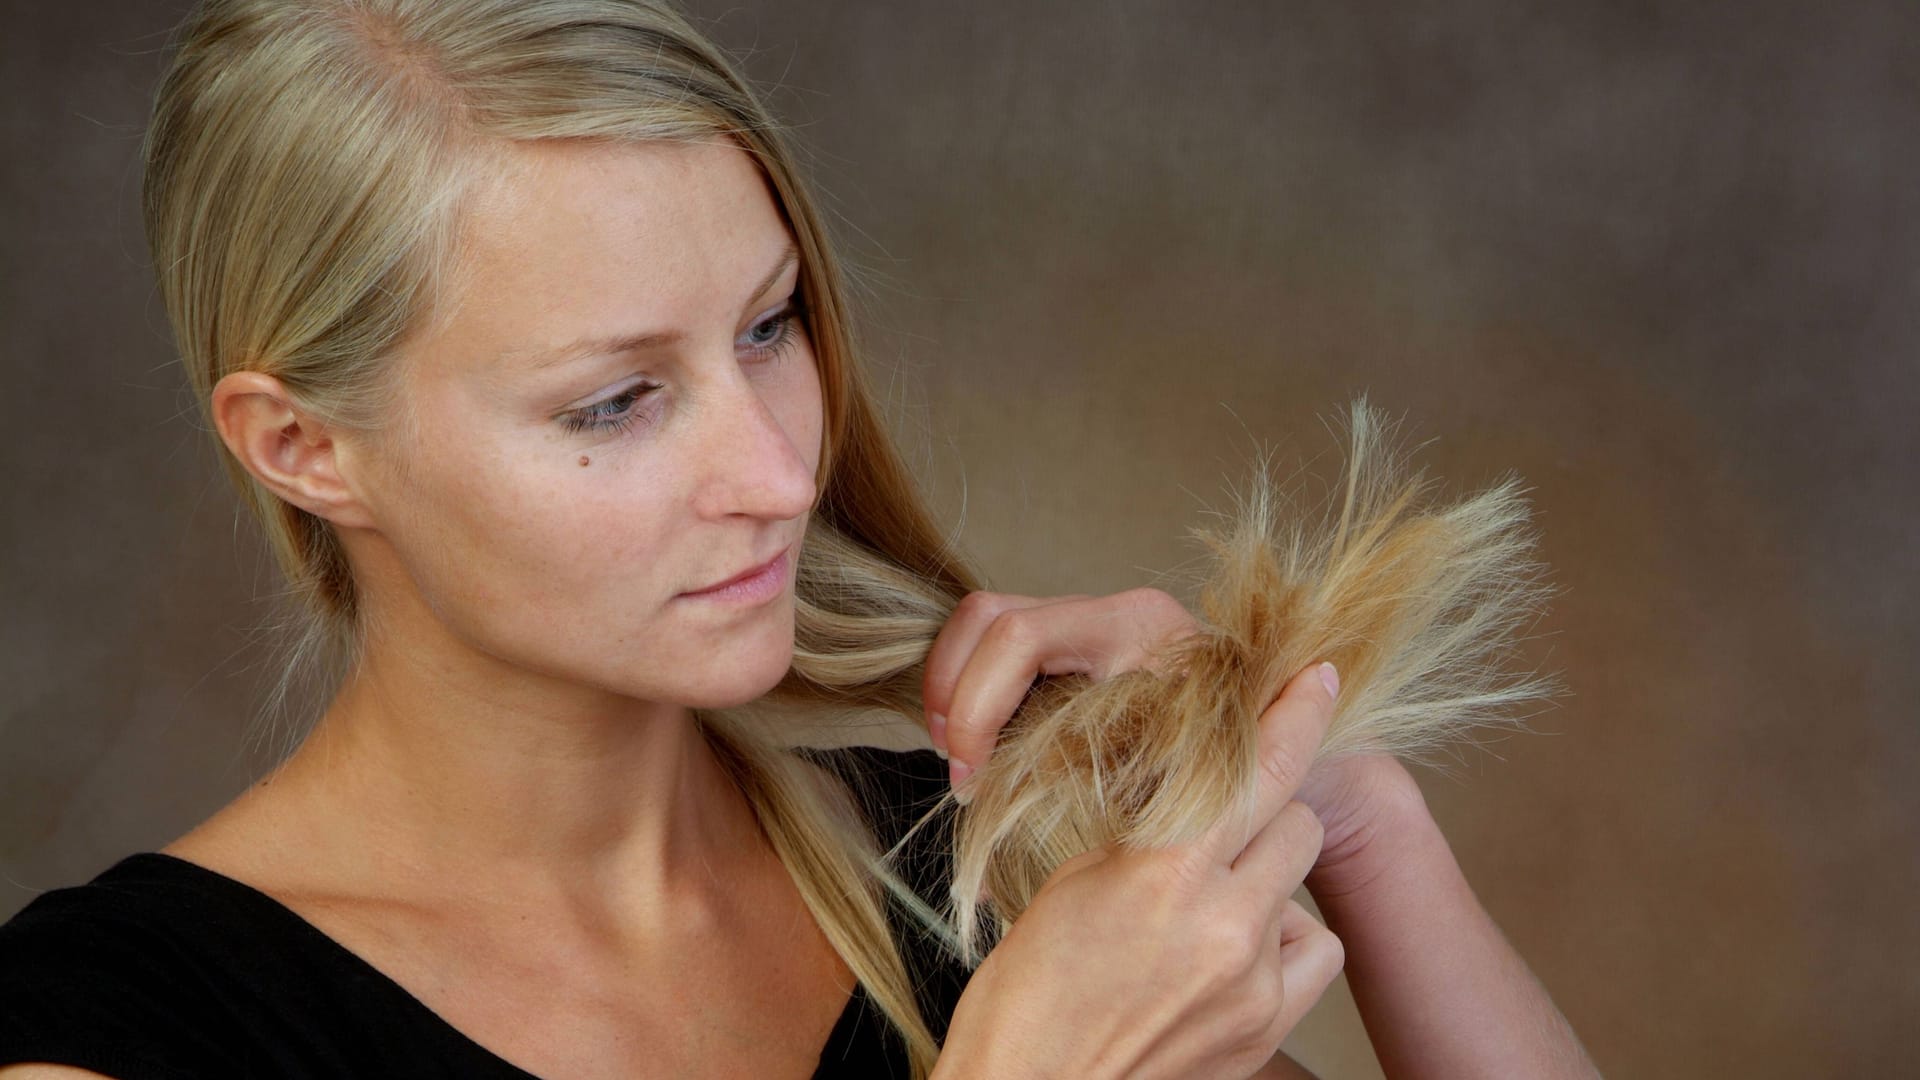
(618, 413)
(613, 414)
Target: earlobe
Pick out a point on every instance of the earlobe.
(286, 448)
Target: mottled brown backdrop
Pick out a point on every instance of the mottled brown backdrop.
(1660, 258)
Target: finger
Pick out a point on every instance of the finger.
(1310, 959)
(1096, 636)
(1017, 646)
(1277, 859)
(951, 647)
(1290, 732)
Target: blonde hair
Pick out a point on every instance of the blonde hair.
(1422, 604)
(306, 164)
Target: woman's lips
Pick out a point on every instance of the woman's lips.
(758, 585)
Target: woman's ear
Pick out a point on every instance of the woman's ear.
(286, 448)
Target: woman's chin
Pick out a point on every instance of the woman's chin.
(747, 682)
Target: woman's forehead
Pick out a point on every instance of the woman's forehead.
(674, 201)
(583, 241)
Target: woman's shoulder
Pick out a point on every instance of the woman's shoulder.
(117, 919)
(102, 975)
(159, 967)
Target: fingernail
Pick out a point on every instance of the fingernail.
(1330, 679)
(937, 728)
(959, 771)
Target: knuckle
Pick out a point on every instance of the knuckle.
(1229, 949)
(1148, 598)
(1161, 606)
(1257, 1007)
(1240, 931)
(1086, 859)
(981, 604)
(1012, 629)
(1281, 765)
(1235, 935)
(1266, 994)
(1278, 1027)
(1178, 872)
(1249, 944)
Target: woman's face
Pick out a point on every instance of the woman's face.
(620, 408)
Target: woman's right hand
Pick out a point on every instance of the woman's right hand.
(1187, 961)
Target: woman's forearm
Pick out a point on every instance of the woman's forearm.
(1441, 991)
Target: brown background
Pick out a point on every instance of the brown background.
(1660, 258)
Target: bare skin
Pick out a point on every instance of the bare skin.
(1442, 992)
(508, 809)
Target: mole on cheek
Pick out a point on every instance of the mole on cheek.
(585, 461)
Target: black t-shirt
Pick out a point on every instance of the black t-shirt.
(161, 968)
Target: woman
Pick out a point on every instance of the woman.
(524, 340)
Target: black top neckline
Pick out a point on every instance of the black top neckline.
(839, 1040)
(162, 969)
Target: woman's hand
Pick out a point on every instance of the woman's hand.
(1381, 873)
(991, 649)
(1188, 961)
(995, 644)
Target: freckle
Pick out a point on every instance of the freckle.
(585, 461)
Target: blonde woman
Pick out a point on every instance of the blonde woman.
(522, 337)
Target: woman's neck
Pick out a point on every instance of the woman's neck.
(432, 780)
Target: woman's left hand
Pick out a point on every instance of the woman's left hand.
(995, 645)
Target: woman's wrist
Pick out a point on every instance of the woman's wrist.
(1378, 829)
(979, 1043)
(1441, 991)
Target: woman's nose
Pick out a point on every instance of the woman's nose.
(754, 466)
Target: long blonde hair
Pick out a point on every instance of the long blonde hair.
(306, 165)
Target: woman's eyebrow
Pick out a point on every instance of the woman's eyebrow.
(621, 343)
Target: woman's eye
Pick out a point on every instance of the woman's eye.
(776, 332)
(766, 333)
(770, 337)
(611, 414)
